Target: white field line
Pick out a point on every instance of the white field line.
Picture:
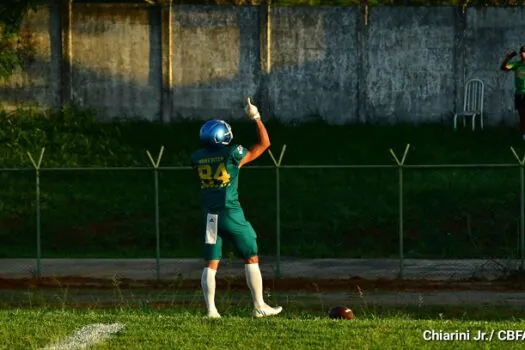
(87, 336)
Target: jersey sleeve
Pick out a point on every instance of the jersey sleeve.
(237, 153)
(512, 65)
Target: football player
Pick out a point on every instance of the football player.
(217, 165)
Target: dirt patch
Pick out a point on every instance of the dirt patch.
(11, 222)
(289, 284)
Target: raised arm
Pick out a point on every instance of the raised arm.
(264, 140)
(505, 64)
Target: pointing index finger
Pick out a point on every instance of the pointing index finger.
(249, 102)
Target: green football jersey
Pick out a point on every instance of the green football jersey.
(519, 76)
(218, 173)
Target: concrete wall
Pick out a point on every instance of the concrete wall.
(396, 65)
(314, 63)
(215, 60)
(116, 62)
(409, 64)
(39, 82)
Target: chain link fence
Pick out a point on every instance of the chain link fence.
(66, 220)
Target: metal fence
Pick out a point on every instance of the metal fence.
(278, 166)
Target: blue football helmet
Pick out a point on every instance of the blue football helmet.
(216, 132)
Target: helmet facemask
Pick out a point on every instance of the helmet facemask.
(226, 137)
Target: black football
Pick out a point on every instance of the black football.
(341, 313)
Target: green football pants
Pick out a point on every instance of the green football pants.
(232, 225)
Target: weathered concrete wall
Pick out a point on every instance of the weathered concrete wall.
(404, 65)
(38, 84)
(314, 63)
(215, 63)
(409, 64)
(116, 60)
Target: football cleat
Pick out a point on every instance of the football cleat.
(267, 311)
(213, 314)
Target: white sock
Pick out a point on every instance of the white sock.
(255, 283)
(208, 287)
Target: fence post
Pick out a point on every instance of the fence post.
(400, 187)
(521, 162)
(278, 209)
(157, 224)
(37, 165)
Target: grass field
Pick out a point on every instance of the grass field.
(186, 329)
(351, 213)
(172, 318)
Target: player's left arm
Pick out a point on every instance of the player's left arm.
(264, 140)
(260, 147)
(505, 65)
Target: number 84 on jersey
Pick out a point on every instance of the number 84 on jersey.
(213, 179)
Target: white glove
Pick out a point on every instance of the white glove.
(252, 111)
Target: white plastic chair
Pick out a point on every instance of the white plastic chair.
(472, 103)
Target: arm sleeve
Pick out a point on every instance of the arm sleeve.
(511, 65)
(237, 153)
